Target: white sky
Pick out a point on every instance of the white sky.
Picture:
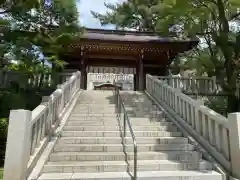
(86, 6)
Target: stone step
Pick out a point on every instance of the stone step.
(118, 140)
(100, 109)
(118, 134)
(143, 112)
(96, 103)
(114, 128)
(120, 147)
(81, 104)
(110, 119)
(88, 110)
(138, 105)
(120, 156)
(122, 166)
(102, 114)
(113, 122)
(141, 175)
(94, 107)
(92, 118)
(148, 116)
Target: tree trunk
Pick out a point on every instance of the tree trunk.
(233, 104)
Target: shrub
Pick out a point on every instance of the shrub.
(21, 99)
(218, 104)
(3, 137)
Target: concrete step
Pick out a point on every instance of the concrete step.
(97, 112)
(145, 115)
(143, 107)
(120, 156)
(110, 117)
(118, 140)
(117, 134)
(143, 112)
(120, 147)
(93, 119)
(98, 109)
(96, 102)
(102, 114)
(113, 122)
(122, 166)
(144, 175)
(94, 107)
(81, 105)
(90, 144)
(114, 128)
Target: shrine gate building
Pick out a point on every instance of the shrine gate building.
(140, 53)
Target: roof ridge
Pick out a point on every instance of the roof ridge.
(111, 31)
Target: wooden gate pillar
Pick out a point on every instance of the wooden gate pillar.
(137, 76)
(141, 72)
(135, 82)
(83, 69)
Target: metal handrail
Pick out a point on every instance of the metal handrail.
(120, 107)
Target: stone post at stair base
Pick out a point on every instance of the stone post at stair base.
(234, 138)
(18, 145)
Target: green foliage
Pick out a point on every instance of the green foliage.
(3, 137)
(218, 104)
(137, 14)
(18, 96)
(3, 127)
(1, 174)
(30, 29)
(210, 20)
(44, 26)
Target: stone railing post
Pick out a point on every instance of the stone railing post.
(171, 81)
(196, 123)
(234, 140)
(176, 104)
(194, 84)
(46, 100)
(60, 88)
(18, 145)
(179, 82)
(214, 84)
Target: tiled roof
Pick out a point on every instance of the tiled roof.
(131, 36)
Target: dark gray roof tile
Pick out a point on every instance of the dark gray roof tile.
(131, 36)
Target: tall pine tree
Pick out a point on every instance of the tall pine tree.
(210, 20)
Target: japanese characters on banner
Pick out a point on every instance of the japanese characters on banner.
(109, 74)
(104, 77)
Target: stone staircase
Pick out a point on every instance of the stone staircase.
(90, 146)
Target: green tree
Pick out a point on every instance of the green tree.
(210, 20)
(32, 33)
(136, 14)
(43, 27)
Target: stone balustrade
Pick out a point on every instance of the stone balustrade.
(220, 136)
(192, 85)
(32, 80)
(30, 131)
